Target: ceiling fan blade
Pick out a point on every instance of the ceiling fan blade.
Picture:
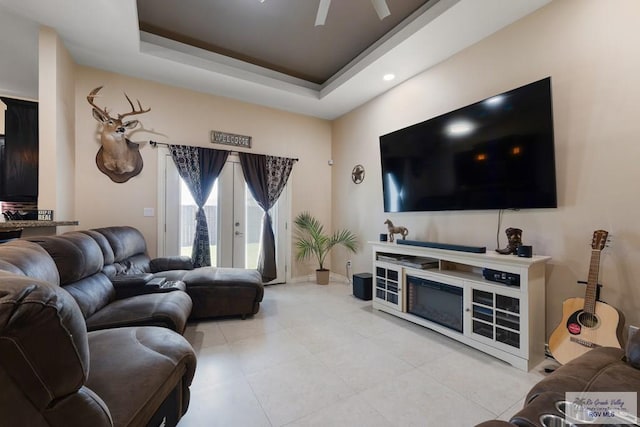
(323, 9)
(381, 8)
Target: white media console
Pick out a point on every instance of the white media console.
(445, 290)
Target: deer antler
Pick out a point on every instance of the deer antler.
(133, 109)
(104, 111)
(91, 97)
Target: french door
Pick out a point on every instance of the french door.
(234, 219)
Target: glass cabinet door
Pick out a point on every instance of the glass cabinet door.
(389, 285)
(495, 317)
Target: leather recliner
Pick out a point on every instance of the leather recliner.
(55, 373)
(602, 369)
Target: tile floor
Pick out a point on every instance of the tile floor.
(317, 356)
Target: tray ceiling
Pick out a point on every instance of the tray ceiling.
(267, 53)
(277, 34)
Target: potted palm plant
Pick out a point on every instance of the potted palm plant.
(313, 242)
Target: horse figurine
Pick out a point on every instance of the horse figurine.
(403, 231)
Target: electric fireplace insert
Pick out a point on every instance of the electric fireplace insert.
(437, 302)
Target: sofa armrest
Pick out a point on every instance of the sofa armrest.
(131, 280)
(171, 263)
(127, 285)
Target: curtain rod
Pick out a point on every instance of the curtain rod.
(155, 144)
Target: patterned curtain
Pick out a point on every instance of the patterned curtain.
(199, 168)
(266, 177)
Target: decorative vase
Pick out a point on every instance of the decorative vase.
(322, 277)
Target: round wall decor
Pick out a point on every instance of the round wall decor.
(357, 174)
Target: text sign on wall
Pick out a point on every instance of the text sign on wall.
(230, 139)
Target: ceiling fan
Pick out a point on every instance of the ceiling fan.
(323, 8)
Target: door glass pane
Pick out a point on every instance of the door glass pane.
(188, 209)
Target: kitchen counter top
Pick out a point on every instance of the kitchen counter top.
(34, 224)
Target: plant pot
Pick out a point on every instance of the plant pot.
(322, 277)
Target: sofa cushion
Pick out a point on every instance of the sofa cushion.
(223, 291)
(615, 377)
(107, 252)
(169, 309)
(92, 293)
(129, 250)
(79, 261)
(53, 362)
(157, 359)
(171, 263)
(28, 259)
(76, 255)
(125, 241)
(213, 276)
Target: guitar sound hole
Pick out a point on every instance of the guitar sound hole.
(588, 320)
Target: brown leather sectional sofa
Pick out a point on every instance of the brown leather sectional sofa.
(84, 339)
(603, 369)
(54, 372)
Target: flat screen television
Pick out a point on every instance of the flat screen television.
(495, 154)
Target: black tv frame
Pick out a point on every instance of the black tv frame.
(506, 162)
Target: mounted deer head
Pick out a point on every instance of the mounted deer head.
(118, 158)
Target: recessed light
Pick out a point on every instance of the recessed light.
(388, 77)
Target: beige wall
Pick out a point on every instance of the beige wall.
(184, 117)
(591, 51)
(56, 110)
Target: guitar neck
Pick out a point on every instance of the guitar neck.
(592, 282)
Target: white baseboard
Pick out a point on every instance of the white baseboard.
(333, 277)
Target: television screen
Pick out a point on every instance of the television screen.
(495, 154)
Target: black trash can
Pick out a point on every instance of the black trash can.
(362, 284)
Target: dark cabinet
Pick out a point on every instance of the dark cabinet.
(19, 153)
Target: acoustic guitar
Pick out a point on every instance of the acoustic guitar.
(586, 323)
